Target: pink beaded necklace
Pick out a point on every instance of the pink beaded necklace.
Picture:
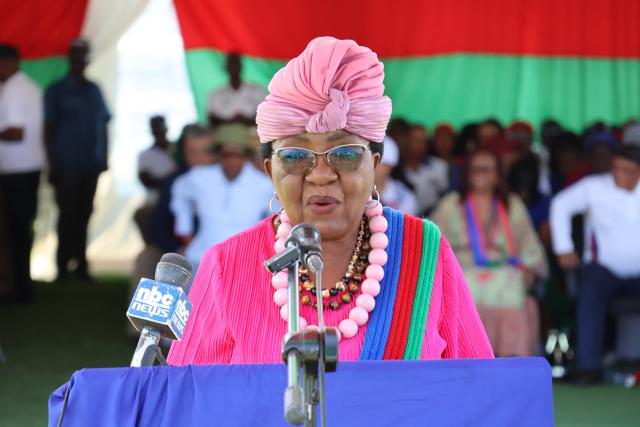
(370, 286)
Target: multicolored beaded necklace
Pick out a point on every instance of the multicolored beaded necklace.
(360, 278)
(344, 291)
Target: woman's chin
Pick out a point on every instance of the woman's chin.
(330, 225)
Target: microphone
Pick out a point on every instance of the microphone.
(306, 238)
(160, 308)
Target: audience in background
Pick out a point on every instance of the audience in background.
(490, 133)
(499, 251)
(566, 161)
(631, 133)
(394, 193)
(22, 158)
(600, 147)
(237, 101)
(466, 142)
(427, 174)
(523, 179)
(444, 145)
(226, 197)
(193, 148)
(212, 186)
(156, 162)
(76, 118)
(612, 267)
(154, 165)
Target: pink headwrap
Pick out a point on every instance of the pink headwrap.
(333, 84)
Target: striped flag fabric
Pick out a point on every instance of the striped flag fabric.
(573, 60)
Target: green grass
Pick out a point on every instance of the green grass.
(71, 326)
(74, 325)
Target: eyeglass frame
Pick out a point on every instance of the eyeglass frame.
(324, 154)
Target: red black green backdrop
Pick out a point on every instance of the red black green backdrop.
(457, 61)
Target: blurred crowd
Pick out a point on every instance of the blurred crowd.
(545, 222)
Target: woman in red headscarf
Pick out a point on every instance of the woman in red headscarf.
(392, 285)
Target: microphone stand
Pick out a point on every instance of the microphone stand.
(316, 352)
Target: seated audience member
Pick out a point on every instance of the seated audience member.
(444, 144)
(523, 180)
(600, 147)
(237, 101)
(466, 142)
(394, 193)
(226, 197)
(490, 133)
(22, 157)
(154, 164)
(193, 148)
(427, 174)
(517, 142)
(566, 161)
(631, 133)
(499, 251)
(612, 266)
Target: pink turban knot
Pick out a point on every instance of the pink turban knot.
(334, 84)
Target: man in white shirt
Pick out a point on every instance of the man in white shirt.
(612, 267)
(226, 197)
(22, 157)
(429, 175)
(156, 162)
(154, 165)
(236, 101)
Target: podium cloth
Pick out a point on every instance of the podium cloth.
(500, 392)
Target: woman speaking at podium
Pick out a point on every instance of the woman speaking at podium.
(391, 283)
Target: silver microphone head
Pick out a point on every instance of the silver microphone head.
(307, 238)
(174, 269)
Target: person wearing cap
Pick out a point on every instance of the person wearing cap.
(76, 118)
(226, 197)
(21, 161)
(600, 147)
(611, 263)
(391, 284)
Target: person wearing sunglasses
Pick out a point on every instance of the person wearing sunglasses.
(391, 284)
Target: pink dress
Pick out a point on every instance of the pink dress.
(234, 319)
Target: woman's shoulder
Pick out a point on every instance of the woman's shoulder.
(516, 204)
(451, 198)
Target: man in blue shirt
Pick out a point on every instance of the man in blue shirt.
(76, 118)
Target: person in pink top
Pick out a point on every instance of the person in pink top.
(391, 283)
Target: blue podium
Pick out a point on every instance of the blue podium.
(500, 392)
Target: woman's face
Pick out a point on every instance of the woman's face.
(443, 145)
(332, 201)
(483, 174)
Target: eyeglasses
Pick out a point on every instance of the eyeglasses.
(300, 161)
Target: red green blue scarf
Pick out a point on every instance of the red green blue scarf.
(478, 240)
(396, 327)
